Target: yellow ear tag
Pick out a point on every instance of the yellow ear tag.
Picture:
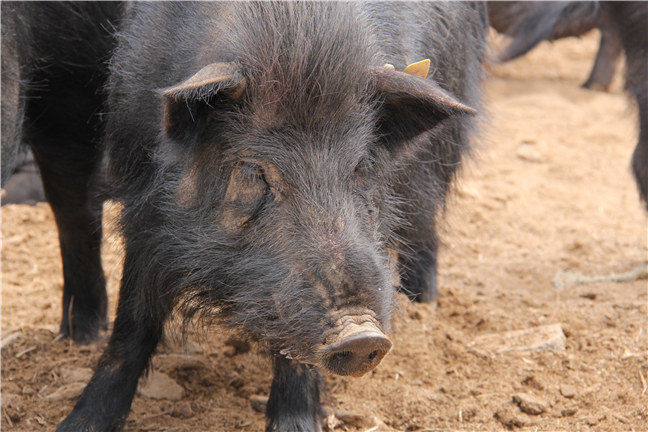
(420, 68)
(389, 66)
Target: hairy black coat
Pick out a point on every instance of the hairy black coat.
(334, 175)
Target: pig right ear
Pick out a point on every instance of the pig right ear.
(411, 105)
(185, 103)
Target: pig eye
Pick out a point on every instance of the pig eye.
(247, 192)
(247, 186)
(253, 174)
(360, 171)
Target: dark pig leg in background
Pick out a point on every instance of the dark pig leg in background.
(419, 280)
(60, 50)
(106, 401)
(25, 185)
(294, 403)
(608, 53)
(630, 19)
(640, 154)
(66, 178)
(634, 34)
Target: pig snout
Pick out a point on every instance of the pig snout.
(355, 349)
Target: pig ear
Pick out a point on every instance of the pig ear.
(411, 105)
(215, 83)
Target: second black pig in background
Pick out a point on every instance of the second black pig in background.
(624, 28)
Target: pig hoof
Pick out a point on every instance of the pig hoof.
(596, 86)
(85, 329)
(294, 423)
(427, 293)
(427, 296)
(86, 419)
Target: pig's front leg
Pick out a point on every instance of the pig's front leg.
(294, 403)
(419, 281)
(106, 400)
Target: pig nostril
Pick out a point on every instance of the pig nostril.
(356, 354)
(341, 357)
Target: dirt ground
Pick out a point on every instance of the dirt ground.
(549, 192)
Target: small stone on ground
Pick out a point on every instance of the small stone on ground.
(509, 418)
(259, 403)
(528, 154)
(160, 386)
(568, 391)
(183, 410)
(542, 338)
(568, 412)
(354, 420)
(10, 339)
(76, 375)
(529, 403)
(68, 391)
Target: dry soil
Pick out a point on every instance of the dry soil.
(547, 201)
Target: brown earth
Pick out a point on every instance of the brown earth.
(549, 192)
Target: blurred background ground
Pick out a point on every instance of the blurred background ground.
(549, 192)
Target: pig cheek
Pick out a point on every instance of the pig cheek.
(187, 191)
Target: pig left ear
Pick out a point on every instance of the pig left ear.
(411, 105)
(184, 103)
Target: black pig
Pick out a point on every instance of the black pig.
(277, 177)
(531, 22)
(623, 28)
